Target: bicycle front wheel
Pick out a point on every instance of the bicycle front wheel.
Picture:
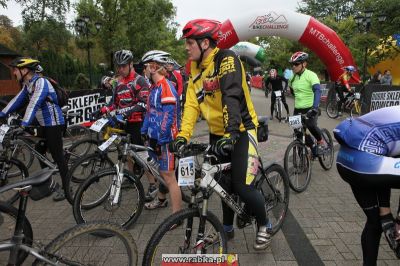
(297, 164)
(11, 171)
(75, 133)
(332, 110)
(96, 243)
(326, 159)
(82, 169)
(93, 202)
(205, 236)
(275, 189)
(8, 219)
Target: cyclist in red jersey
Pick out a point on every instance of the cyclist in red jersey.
(342, 85)
(174, 76)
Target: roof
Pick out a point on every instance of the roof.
(6, 51)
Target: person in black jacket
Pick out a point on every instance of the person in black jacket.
(275, 81)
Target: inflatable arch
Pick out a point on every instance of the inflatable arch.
(295, 26)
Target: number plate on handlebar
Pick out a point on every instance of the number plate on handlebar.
(99, 124)
(357, 95)
(3, 130)
(186, 171)
(278, 93)
(295, 121)
(107, 143)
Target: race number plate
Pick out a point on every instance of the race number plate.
(357, 95)
(295, 121)
(107, 143)
(3, 130)
(186, 171)
(99, 124)
(278, 93)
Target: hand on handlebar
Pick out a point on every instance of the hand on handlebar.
(177, 145)
(312, 112)
(224, 146)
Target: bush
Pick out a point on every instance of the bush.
(82, 82)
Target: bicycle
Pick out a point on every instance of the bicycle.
(99, 195)
(12, 170)
(278, 105)
(352, 105)
(203, 232)
(75, 246)
(298, 157)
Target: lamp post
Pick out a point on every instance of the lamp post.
(84, 27)
(364, 26)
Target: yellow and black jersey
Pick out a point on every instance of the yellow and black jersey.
(217, 88)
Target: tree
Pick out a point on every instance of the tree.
(339, 9)
(40, 10)
(10, 36)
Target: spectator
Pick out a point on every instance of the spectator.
(386, 78)
(376, 78)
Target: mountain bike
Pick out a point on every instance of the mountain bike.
(298, 156)
(114, 192)
(13, 170)
(202, 232)
(97, 243)
(352, 105)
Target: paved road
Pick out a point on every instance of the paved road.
(323, 226)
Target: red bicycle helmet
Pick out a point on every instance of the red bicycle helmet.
(202, 28)
(298, 57)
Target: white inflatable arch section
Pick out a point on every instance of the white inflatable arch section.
(295, 26)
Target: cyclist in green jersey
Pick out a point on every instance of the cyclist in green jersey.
(305, 87)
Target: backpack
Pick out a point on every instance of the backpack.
(62, 94)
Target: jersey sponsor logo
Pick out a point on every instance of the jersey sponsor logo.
(227, 66)
(211, 84)
(397, 165)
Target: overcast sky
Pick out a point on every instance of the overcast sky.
(188, 9)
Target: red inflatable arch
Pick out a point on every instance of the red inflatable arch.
(295, 26)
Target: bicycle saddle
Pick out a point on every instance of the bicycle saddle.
(38, 177)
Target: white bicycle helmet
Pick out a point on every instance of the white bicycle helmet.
(298, 57)
(156, 56)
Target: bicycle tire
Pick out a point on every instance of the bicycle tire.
(93, 233)
(75, 133)
(303, 165)
(24, 154)
(174, 242)
(326, 159)
(281, 187)
(80, 148)
(332, 110)
(82, 169)
(11, 196)
(9, 223)
(83, 212)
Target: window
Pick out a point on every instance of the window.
(4, 72)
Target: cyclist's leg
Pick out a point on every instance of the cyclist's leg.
(273, 100)
(311, 124)
(339, 91)
(53, 136)
(244, 170)
(283, 97)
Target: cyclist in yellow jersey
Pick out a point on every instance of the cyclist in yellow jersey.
(217, 88)
(306, 89)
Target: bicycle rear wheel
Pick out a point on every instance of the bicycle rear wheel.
(332, 110)
(297, 164)
(92, 201)
(8, 219)
(275, 189)
(326, 159)
(82, 169)
(19, 172)
(86, 244)
(24, 154)
(186, 239)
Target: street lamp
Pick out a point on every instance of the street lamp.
(84, 27)
(364, 26)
